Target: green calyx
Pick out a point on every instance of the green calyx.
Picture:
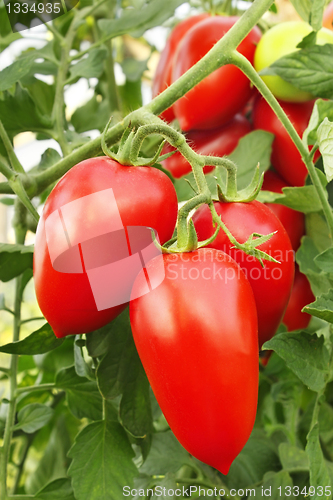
(244, 195)
(191, 244)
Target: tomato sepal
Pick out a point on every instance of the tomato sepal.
(244, 195)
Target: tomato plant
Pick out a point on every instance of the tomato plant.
(163, 74)
(215, 100)
(292, 221)
(279, 41)
(217, 142)
(285, 158)
(271, 284)
(77, 225)
(188, 358)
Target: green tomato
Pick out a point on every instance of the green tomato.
(279, 41)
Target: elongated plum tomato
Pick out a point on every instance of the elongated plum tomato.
(301, 296)
(279, 41)
(162, 78)
(215, 142)
(272, 283)
(328, 17)
(215, 100)
(292, 221)
(196, 335)
(92, 227)
(285, 158)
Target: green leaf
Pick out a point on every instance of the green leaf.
(60, 489)
(49, 158)
(321, 110)
(13, 73)
(83, 397)
(7, 201)
(137, 21)
(134, 69)
(293, 459)
(317, 230)
(166, 454)
(320, 282)
(325, 260)
(38, 342)
(92, 115)
(311, 11)
(272, 481)
(33, 417)
(81, 367)
(303, 199)
(20, 113)
(325, 140)
(322, 307)
(303, 8)
(319, 475)
(305, 355)
(14, 259)
(102, 462)
(90, 67)
(308, 40)
(254, 148)
(309, 69)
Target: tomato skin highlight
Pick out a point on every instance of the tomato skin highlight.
(197, 339)
(301, 296)
(292, 221)
(215, 142)
(162, 77)
(66, 298)
(216, 99)
(279, 41)
(272, 284)
(286, 158)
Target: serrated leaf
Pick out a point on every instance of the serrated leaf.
(92, 115)
(303, 199)
(101, 462)
(137, 21)
(321, 110)
(325, 140)
(309, 69)
(38, 342)
(308, 40)
(33, 417)
(320, 282)
(14, 259)
(60, 489)
(305, 355)
(325, 260)
(319, 475)
(293, 459)
(322, 307)
(13, 73)
(166, 454)
(271, 482)
(310, 11)
(83, 396)
(90, 67)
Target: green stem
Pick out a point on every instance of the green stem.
(33, 388)
(17, 186)
(20, 232)
(5, 370)
(6, 170)
(113, 96)
(10, 150)
(242, 63)
(32, 319)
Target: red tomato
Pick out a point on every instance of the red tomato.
(293, 221)
(215, 100)
(328, 17)
(272, 284)
(196, 335)
(285, 158)
(84, 260)
(301, 296)
(217, 142)
(162, 78)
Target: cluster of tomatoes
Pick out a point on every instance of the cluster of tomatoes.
(196, 316)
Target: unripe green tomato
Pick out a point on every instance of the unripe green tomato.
(279, 41)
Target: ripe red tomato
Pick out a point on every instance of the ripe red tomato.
(86, 253)
(301, 296)
(215, 100)
(292, 221)
(196, 335)
(216, 142)
(285, 158)
(162, 78)
(328, 17)
(272, 284)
